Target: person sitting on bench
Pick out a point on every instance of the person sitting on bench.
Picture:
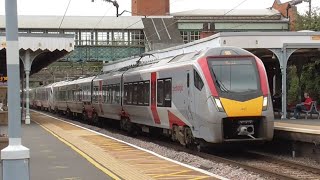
(306, 105)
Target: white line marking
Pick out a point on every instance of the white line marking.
(142, 149)
(298, 130)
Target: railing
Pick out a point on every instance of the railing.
(135, 43)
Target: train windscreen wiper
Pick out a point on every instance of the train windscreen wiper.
(219, 83)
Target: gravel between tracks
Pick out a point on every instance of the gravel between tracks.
(221, 169)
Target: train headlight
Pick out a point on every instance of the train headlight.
(265, 103)
(218, 104)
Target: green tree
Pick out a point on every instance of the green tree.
(306, 22)
(293, 85)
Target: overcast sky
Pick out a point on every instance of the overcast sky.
(101, 8)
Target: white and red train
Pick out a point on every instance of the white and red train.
(216, 95)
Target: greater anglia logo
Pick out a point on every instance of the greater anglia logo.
(177, 88)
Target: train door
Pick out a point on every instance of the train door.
(190, 97)
(198, 96)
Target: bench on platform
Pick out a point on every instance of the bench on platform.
(313, 110)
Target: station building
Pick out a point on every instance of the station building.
(111, 38)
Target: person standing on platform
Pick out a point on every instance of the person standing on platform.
(306, 105)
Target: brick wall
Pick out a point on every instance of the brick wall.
(150, 7)
(292, 12)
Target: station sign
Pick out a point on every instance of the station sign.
(3, 80)
(316, 37)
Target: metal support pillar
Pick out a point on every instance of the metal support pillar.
(15, 157)
(27, 121)
(283, 57)
(27, 58)
(284, 87)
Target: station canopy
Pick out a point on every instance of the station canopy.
(39, 50)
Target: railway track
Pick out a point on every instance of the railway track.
(267, 166)
(262, 164)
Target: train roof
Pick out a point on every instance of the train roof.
(183, 59)
(81, 80)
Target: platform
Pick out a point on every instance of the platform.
(51, 159)
(304, 130)
(61, 150)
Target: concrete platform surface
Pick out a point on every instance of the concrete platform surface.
(51, 159)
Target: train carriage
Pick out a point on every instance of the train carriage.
(215, 95)
(60, 96)
(106, 100)
(78, 92)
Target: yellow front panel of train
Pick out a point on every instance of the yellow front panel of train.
(234, 108)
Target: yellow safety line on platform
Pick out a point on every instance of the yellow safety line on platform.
(88, 158)
(172, 174)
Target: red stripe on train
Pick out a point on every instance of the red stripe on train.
(263, 77)
(173, 119)
(153, 98)
(203, 62)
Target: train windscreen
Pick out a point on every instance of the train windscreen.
(234, 75)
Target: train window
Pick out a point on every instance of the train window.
(140, 93)
(109, 89)
(130, 91)
(198, 83)
(164, 93)
(125, 95)
(95, 96)
(114, 94)
(188, 79)
(135, 93)
(117, 100)
(167, 92)
(160, 93)
(104, 93)
(146, 92)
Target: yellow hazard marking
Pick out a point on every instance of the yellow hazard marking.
(198, 178)
(234, 108)
(172, 174)
(88, 158)
(169, 167)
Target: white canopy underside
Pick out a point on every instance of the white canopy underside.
(41, 42)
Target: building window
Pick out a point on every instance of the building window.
(194, 35)
(184, 35)
(76, 36)
(104, 38)
(118, 38)
(53, 32)
(23, 31)
(136, 37)
(37, 31)
(87, 38)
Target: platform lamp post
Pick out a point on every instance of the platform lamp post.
(15, 157)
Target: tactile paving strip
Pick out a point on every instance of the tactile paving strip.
(121, 159)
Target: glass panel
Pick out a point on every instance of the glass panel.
(234, 75)
(160, 92)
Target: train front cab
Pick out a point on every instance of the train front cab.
(239, 93)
